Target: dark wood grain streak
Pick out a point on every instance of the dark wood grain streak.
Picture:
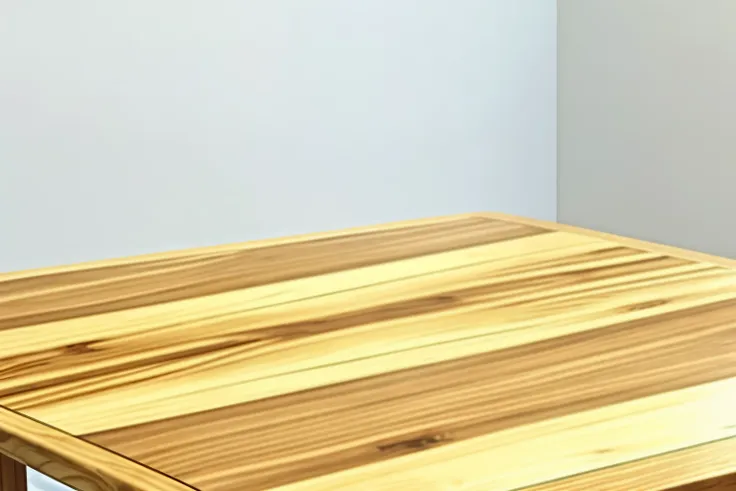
(12, 474)
(720, 483)
(98, 359)
(399, 359)
(297, 436)
(238, 270)
(76, 463)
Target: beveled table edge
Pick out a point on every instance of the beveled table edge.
(673, 470)
(74, 461)
(85, 466)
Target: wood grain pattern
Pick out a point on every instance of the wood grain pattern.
(445, 402)
(721, 483)
(686, 469)
(552, 448)
(73, 461)
(12, 475)
(472, 352)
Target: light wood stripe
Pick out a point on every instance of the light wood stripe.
(237, 374)
(183, 317)
(322, 360)
(79, 464)
(554, 448)
(694, 468)
(370, 420)
(224, 249)
(113, 289)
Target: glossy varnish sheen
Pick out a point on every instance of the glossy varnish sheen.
(477, 352)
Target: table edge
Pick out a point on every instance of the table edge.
(66, 455)
(679, 468)
(306, 237)
(234, 246)
(74, 461)
(623, 240)
(65, 465)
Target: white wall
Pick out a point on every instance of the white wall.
(147, 125)
(647, 103)
(41, 482)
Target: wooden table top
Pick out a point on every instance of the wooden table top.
(474, 352)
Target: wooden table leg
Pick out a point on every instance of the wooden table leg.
(12, 475)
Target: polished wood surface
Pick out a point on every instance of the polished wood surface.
(475, 352)
(707, 466)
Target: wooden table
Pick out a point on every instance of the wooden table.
(474, 352)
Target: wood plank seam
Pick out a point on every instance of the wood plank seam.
(326, 361)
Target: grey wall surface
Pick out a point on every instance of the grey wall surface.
(647, 103)
(148, 125)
